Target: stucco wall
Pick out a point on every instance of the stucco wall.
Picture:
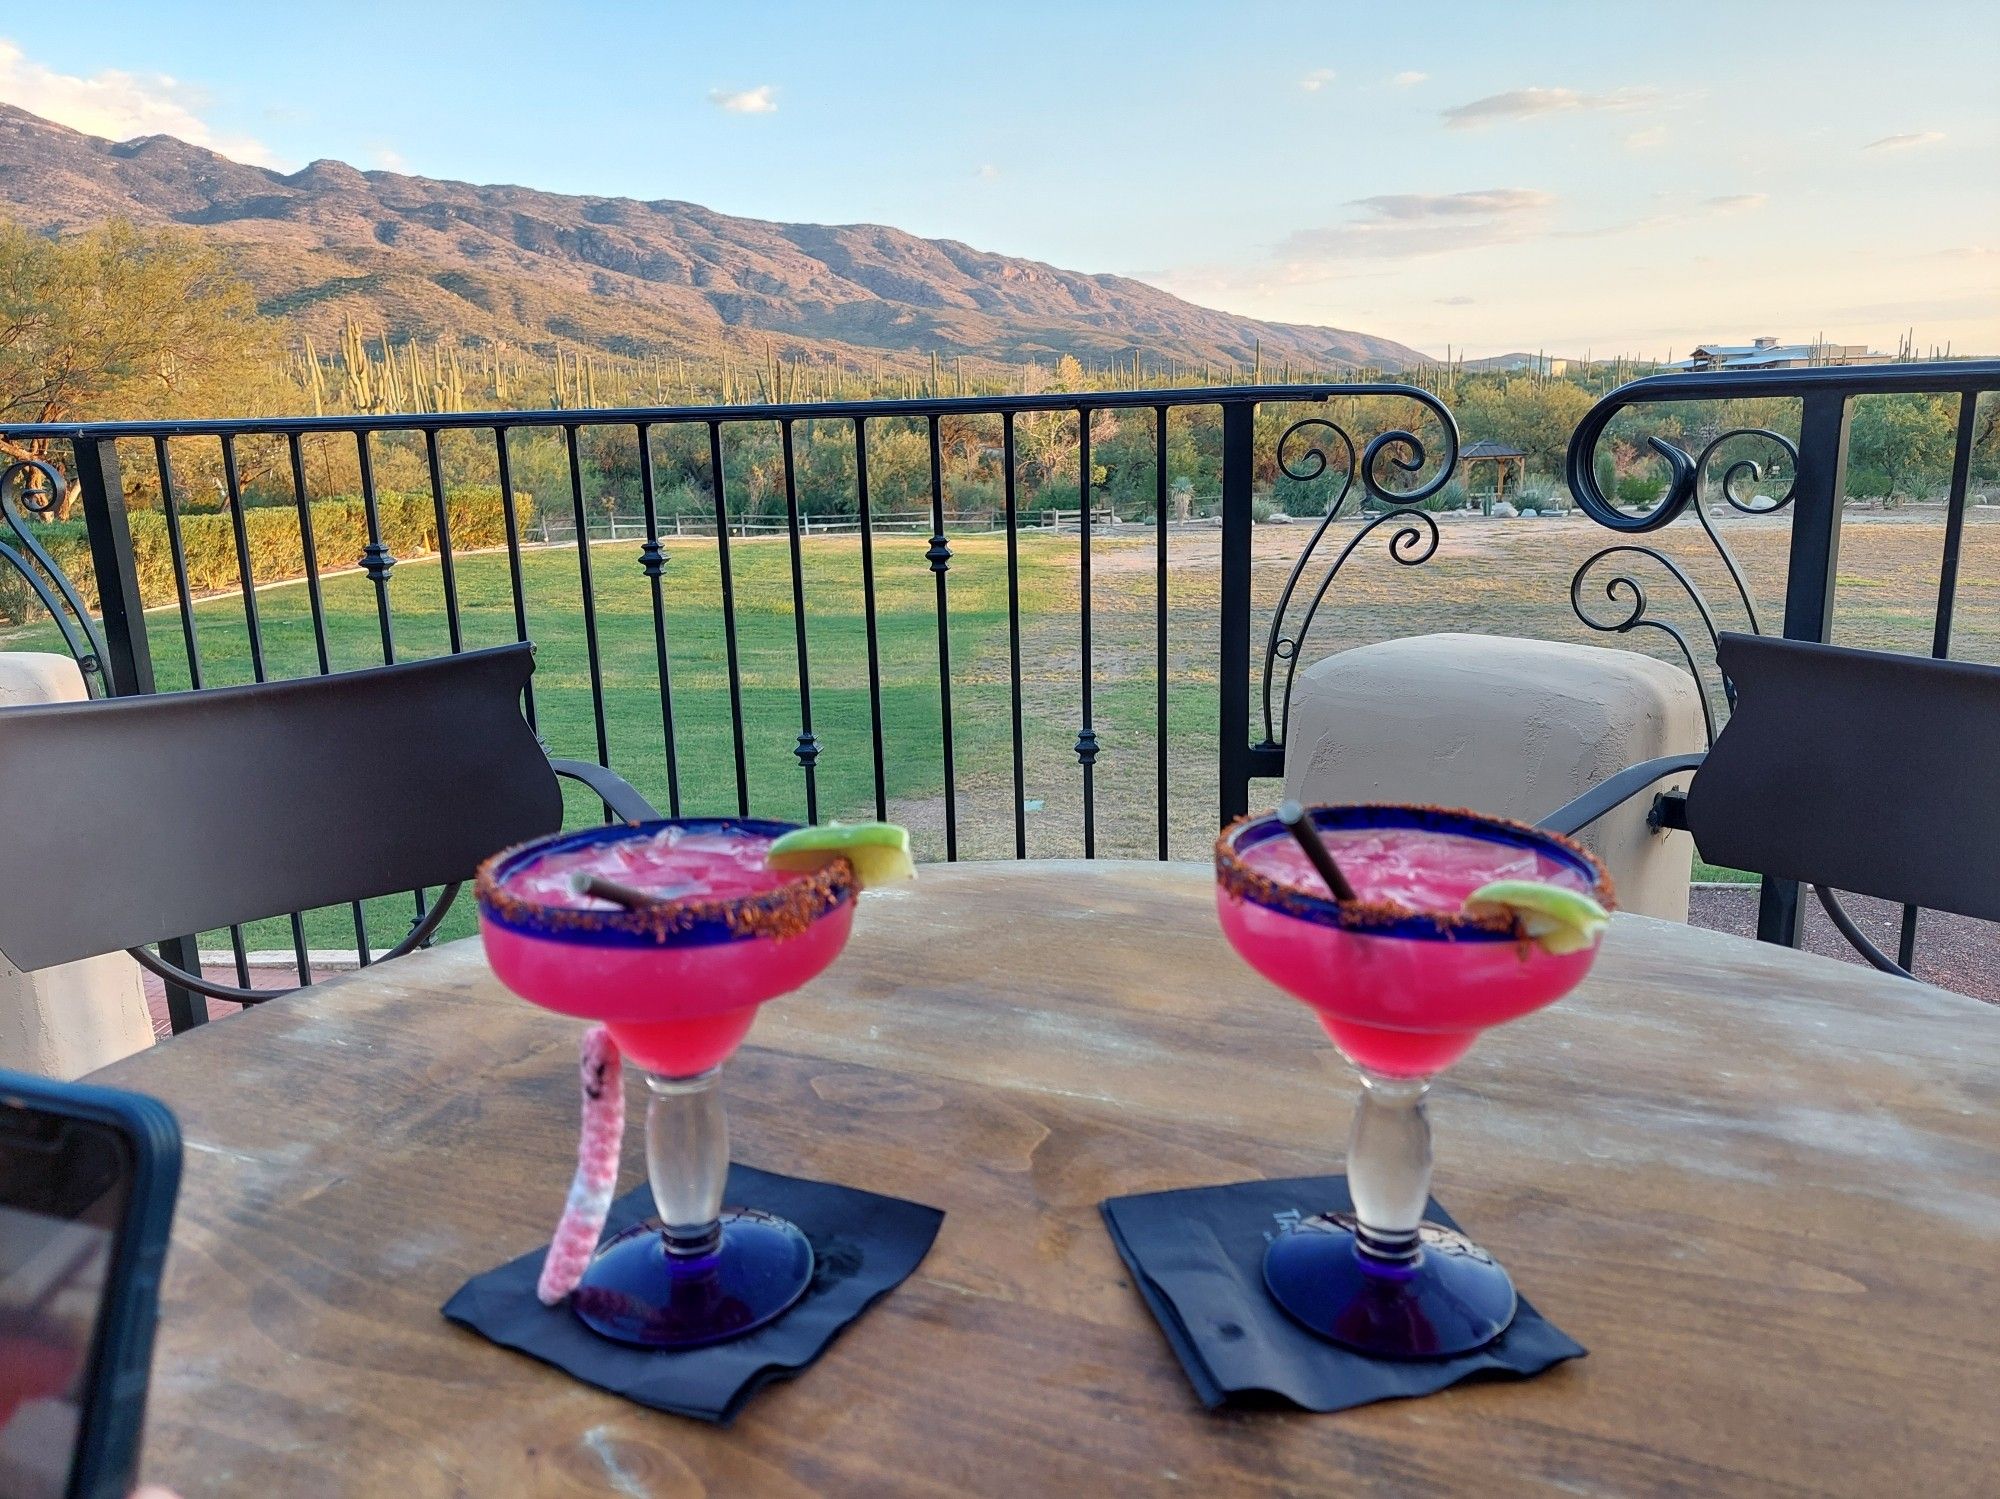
(1502, 725)
(65, 1021)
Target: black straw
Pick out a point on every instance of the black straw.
(1300, 826)
(623, 895)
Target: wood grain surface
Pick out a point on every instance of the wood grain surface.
(1762, 1187)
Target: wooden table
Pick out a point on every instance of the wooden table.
(1759, 1185)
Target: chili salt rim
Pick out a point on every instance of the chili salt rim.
(787, 910)
(1392, 918)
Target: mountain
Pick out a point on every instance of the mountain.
(1520, 360)
(420, 257)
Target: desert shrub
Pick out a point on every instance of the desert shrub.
(1868, 483)
(1543, 496)
(1640, 491)
(17, 599)
(1451, 497)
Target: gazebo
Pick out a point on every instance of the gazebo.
(1499, 454)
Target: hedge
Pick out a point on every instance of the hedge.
(208, 540)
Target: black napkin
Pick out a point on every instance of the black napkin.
(863, 1245)
(1197, 1256)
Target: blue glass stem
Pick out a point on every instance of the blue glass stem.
(687, 1159)
(695, 1274)
(1389, 1170)
(1376, 1279)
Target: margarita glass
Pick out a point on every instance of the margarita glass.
(1404, 981)
(678, 984)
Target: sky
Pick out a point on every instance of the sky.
(1587, 178)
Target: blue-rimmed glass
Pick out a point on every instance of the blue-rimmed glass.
(678, 984)
(1403, 992)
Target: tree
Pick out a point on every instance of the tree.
(118, 322)
(1896, 442)
(1536, 416)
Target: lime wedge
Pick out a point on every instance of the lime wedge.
(879, 851)
(1562, 921)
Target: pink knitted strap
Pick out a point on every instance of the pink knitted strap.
(596, 1178)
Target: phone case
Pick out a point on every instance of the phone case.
(107, 1456)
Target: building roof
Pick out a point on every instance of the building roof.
(1484, 449)
(1763, 358)
(1774, 355)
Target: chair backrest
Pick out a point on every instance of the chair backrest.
(1860, 770)
(129, 820)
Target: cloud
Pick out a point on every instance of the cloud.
(1623, 226)
(1531, 103)
(1455, 301)
(119, 106)
(1408, 80)
(746, 101)
(1409, 225)
(386, 158)
(1674, 215)
(1316, 80)
(987, 172)
(1652, 137)
(1905, 142)
(1411, 207)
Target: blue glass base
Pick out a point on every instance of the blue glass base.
(635, 1292)
(1451, 1299)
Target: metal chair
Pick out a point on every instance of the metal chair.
(141, 819)
(1862, 771)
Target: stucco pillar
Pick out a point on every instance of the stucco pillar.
(64, 1021)
(1502, 725)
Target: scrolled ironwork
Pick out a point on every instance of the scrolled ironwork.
(1414, 543)
(36, 488)
(1302, 455)
(1691, 479)
(1381, 446)
(1742, 468)
(1314, 454)
(1629, 592)
(1687, 479)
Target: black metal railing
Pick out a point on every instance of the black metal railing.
(706, 734)
(1810, 455)
(1409, 453)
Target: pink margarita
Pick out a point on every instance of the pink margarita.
(680, 986)
(677, 978)
(1407, 987)
(1404, 979)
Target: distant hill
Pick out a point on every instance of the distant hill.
(1522, 361)
(417, 257)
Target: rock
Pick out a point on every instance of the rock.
(1530, 510)
(1504, 508)
(1718, 510)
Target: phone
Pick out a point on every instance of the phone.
(87, 1183)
